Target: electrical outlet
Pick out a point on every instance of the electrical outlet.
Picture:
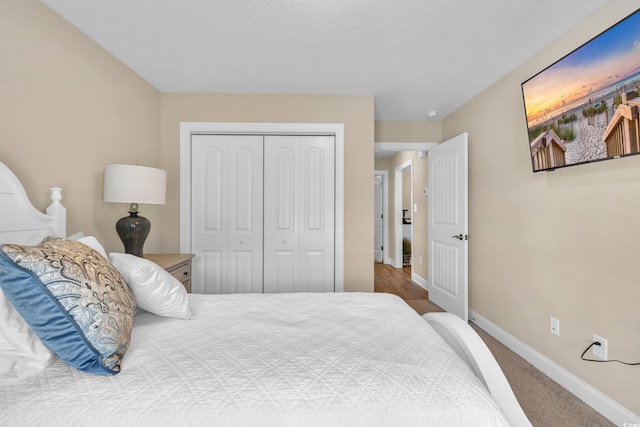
(600, 351)
(420, 259)
(554, 326)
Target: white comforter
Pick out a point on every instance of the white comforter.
(340, 359)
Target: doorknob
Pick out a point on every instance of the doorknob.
(458, 236)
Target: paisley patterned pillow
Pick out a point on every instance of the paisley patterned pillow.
(73, 299)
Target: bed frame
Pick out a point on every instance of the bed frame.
(21, 222)
(475, 353)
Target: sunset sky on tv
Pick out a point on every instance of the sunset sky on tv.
(609, 58)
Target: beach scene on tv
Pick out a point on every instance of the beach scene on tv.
(585, 107)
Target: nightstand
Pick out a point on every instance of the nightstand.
(178, 265)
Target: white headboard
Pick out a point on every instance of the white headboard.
(20, 221)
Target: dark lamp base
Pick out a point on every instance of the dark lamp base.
(133, 231)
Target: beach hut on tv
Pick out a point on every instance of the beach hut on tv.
(622, 132)
(548, 151)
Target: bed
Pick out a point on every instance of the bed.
(304, 359)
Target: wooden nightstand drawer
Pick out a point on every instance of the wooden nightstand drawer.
(178, 265)
(182, 272)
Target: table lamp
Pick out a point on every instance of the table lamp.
(134, 184)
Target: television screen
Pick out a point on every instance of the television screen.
(584, 107)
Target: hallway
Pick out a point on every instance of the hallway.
(398, 281)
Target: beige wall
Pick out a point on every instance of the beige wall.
(562, 244)
(408, 131)
(67, 108)
(357, 114)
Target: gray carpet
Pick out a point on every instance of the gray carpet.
(545, 402)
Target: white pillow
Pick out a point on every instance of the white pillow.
(94, 244)
(156, 290)
(21, 351)
(35, 238)
(76, 236)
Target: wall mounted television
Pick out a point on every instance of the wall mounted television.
(584, 107)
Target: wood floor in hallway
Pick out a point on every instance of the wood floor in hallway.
(398, 281)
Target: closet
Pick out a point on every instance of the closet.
(262, 213)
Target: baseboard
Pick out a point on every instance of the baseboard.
(610, 409)
(420, 280)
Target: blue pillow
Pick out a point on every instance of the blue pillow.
(73, 299)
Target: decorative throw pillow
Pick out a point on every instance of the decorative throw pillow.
(73, 299)
(156, 290)
(93, 243)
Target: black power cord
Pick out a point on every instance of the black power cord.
(610, 360)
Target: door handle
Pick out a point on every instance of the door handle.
(458, 236)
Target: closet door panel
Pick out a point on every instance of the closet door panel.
(208, 214)
(245, 210)
(317, 204)
(212, 267)
(284, 272)
(281, 224)
(299, 213)
(313, 268)
(226, 213)
(242, 273)
(283, 176)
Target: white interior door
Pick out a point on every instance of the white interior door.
(226, 214)
(299, 213)
(448, 225)
(377, 219)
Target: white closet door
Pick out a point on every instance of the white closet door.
(226, 212)
(299, 213)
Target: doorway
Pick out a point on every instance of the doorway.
(388, 157)
(447, 196)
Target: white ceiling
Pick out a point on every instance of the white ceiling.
(413, 55)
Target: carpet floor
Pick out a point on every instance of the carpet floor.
(545, 402)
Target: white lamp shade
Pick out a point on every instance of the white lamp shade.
(134, 184)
